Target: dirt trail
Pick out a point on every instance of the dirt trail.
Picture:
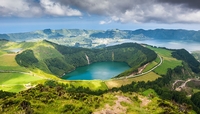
(142, 68)
(184, 82)
(140, 74)
(117, 108)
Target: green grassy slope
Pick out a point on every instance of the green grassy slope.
(13, 77)
(168, 60)
(15, 82)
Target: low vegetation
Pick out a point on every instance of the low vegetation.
(81, 100)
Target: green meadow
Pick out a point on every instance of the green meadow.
(118, 83)
(17, 78)
(168, 60)
(15, 82)
(92, 85)
(151, 65)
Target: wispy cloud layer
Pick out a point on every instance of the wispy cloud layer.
(126, 11)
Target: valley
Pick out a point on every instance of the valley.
(33, 70)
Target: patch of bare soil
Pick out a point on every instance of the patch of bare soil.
(117, 108)
(144, 101)
(142, 68)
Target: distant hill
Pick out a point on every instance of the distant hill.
(88, 38)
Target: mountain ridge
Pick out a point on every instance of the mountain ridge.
(94, 38)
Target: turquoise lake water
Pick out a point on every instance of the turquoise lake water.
(100, 70)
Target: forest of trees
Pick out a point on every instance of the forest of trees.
(196, 99)
(184, 55)
(27, 59)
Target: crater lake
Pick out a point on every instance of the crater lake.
(99, 70)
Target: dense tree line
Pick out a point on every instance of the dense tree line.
(196, 99)
(26, 59)
(4, 40)
(58, 66)
(184, 55)
(4, 94)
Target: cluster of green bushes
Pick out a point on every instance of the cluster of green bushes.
(52, 98)
(4, 94)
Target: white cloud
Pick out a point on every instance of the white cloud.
(104, 22)
(54, 8)
(19, 8)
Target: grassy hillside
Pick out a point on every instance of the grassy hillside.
(57, 59)
(14, 77)
(15, 82)
(56, 100)
(168, 60)
(8, 63)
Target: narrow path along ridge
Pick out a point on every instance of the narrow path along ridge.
(137, 75)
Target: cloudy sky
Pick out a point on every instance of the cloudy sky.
(30, 15)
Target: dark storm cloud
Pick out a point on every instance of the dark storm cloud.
(124, 11)
(140, 11)
(193, 4)
(103, 7)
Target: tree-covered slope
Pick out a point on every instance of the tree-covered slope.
(182, 54)
(67, 59)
